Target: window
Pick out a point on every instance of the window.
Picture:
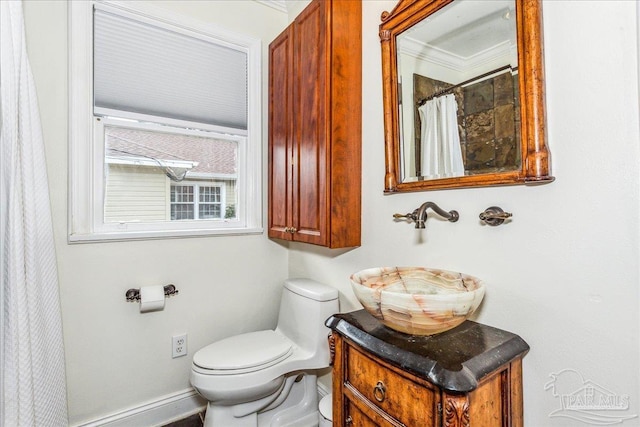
(165, 126)
(209, 202)
(145, 164)
(196, 201)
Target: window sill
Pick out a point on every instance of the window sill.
(154, 235)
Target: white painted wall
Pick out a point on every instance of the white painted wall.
(564, 273)
(118, 358)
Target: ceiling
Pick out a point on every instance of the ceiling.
(280, 5)
(465, 32)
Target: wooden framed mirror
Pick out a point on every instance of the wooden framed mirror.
(463, 94)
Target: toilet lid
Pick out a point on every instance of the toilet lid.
(241, 352)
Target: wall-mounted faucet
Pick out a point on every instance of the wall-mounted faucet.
(419, 216)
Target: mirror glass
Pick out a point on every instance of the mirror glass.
(457, 70)
(459, 76)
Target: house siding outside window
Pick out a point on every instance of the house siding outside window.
(142, 182)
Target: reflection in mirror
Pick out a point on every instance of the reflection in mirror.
(453, 93)
(457, 72)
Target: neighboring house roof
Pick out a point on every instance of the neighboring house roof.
(209, 155)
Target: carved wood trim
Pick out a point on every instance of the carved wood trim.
(530, 53)
(456, 411)
(332, 348)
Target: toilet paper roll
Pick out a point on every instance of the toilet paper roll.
(151, 298)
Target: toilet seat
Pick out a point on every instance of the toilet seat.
(244, 353)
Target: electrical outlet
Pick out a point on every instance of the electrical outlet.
(179, 345)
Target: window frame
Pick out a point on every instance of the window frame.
(86, 146)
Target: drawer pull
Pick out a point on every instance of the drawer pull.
(379, 391)
(348, 421)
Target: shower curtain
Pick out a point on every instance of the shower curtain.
(441, 151)
(31, 349)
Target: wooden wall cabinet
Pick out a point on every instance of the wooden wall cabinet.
(315, 116)
(468, 376)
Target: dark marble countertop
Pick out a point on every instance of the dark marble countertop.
(455, 360)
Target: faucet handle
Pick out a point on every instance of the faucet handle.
(411, 216)
(400, 216)
(494, 216)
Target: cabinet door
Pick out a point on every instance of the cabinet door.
(310, 140)
(315, 126)
(280, 135)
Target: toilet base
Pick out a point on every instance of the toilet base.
(299, 408)
(325, 409)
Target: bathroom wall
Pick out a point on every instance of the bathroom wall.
(117, 358)
(564, 273)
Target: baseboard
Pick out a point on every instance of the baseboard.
(322, 390)
(165, 410)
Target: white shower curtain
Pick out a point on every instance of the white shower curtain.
(441, 152)
(31, 348)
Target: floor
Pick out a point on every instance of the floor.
(192, 421)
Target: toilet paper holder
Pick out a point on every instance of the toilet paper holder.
(133, 295)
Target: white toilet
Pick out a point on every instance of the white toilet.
(325, 407)
(268, 378)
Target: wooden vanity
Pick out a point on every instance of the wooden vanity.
(468, 376)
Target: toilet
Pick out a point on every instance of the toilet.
(325, 408)
(269, 378)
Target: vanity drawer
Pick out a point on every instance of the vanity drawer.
(408, 402)
(355, 417)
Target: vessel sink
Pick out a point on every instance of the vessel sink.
(418, 300)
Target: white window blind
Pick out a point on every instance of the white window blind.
(150, 70)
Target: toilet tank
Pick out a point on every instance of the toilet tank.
(304, 307)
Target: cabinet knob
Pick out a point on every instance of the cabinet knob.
(379, 391)
(348, 421)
